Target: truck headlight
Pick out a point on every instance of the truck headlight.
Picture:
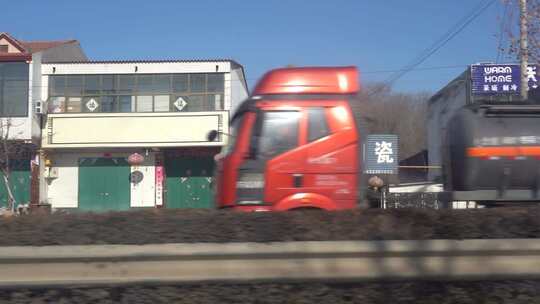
(250, 181)
(249, 188)
(249, 202)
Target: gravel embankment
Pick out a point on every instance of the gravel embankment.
(523, 292)
(177, 226)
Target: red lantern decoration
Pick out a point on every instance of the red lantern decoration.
(135, 159)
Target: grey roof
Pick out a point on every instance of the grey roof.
(147, 61)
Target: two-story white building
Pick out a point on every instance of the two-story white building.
(20, 92)
(124, 134)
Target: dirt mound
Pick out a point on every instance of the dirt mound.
(178, 226)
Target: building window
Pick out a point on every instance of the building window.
(91, 85)
(14, 89)
(215, 101)
(181, 83)
(196, 103)
(126, 103)
(144, 103)
(144, 84)
(74, 85)
(108, 84)
(162, 83)
(126, 84)
(57, 85)
(162, 103)
(57, 105)
(73, 105)
(137, 93)
(216, 83)
(3, 48)
(197, 83)
(108, 104)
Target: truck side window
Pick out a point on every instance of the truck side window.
(317, 124)
(279, 132)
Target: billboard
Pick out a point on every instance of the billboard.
(381, 154)
(491, 79)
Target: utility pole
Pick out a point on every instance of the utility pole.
(523, 50)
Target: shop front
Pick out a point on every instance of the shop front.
(189, 178)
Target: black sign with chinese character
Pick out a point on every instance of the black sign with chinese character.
(381, 154)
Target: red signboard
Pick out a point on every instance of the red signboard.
(159, 181)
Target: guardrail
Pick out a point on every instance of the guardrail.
(279, 262)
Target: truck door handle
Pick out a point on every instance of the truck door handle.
(298, 180)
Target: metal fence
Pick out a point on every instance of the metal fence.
(412, 200)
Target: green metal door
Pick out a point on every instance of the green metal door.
(189, 182)
(104, 184)
(20, 182)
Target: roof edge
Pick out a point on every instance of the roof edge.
(16, 43)
(145, 61)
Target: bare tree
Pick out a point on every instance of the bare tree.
(403, 114)
(10, 149)
(509, 21)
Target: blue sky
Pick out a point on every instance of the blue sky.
(375, 35)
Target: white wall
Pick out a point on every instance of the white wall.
(143, 194)
(166, 129)
(35, 93)
(45, 86)
(239, 91)
(227, 99)
(63, 192)
(20, 127)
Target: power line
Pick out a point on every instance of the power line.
(443, 67)
(456, 29)
(418, 69)
(449, 35)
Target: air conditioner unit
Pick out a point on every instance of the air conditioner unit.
(40, 107)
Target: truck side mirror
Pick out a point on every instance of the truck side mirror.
(212, 135)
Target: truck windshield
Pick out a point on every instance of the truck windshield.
(231, 139)
(278, 134)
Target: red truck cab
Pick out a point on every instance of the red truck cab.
(293, 144)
